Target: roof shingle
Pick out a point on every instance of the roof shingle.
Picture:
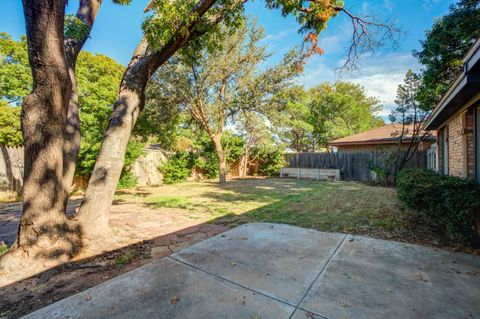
(386, 134)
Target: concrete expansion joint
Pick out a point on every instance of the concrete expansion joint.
(315, 280)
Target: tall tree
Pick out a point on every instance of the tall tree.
(443, 49)
(215, 83)
(409, 114)
(44, 116)
(341, 109)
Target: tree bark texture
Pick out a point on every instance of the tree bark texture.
(45, 233)
(222, 169)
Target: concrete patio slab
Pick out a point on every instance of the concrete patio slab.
(371, 278)
(166, 289)
(260, 271)
(266, 257)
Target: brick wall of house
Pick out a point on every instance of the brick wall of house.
(460, 141)
(470, 143)
(456, 154)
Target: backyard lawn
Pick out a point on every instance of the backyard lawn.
(348, 207)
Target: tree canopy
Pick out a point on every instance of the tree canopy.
(340, 109)
(98, 78)
(443, 49)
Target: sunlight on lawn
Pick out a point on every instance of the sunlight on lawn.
(328, 206)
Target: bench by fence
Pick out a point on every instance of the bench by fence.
(354, 166)
(324, 174)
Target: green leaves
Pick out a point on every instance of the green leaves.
(443, 49)
(167, 19)
(308, 120)
(122, 2)
(10, 130)
(15, 74)
(74, 28)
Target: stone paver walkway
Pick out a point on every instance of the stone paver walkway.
(131, 223)
(261, 271)
(10, 219)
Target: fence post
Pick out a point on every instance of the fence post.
(298, 172)
(318, 174)
(281, 172)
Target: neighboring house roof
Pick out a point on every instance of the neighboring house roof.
(387, 134)
(466, 87)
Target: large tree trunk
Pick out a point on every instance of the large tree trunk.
(222, 169)
(93, 213)
(45, 236)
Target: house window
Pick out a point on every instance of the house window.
(432, 157)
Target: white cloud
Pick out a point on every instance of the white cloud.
(388, 4)
(279, 35)
(379, 74)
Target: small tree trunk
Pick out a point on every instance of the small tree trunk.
(87, 13)
(244, 162)
(72, 139)
(223, 170)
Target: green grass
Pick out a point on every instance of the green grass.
(9, 197)
(3, 249)
(170, 201)
(125, 258)
(328, 206)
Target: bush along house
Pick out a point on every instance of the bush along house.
(457, 122)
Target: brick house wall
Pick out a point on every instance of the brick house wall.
(470, 143)
(460, 145)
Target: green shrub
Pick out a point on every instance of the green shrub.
(127, 180)
(271, 161)
(450, 202)
(177, 168)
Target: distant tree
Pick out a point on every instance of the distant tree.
(10, 130)
(15, 84)
(411, 117)
(15, 75)
(256, 135)
(443, 49)
(291, 119)
(341, 109)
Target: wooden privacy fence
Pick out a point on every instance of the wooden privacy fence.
(354, 166)
(11, 168)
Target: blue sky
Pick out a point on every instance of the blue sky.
(117, 31)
